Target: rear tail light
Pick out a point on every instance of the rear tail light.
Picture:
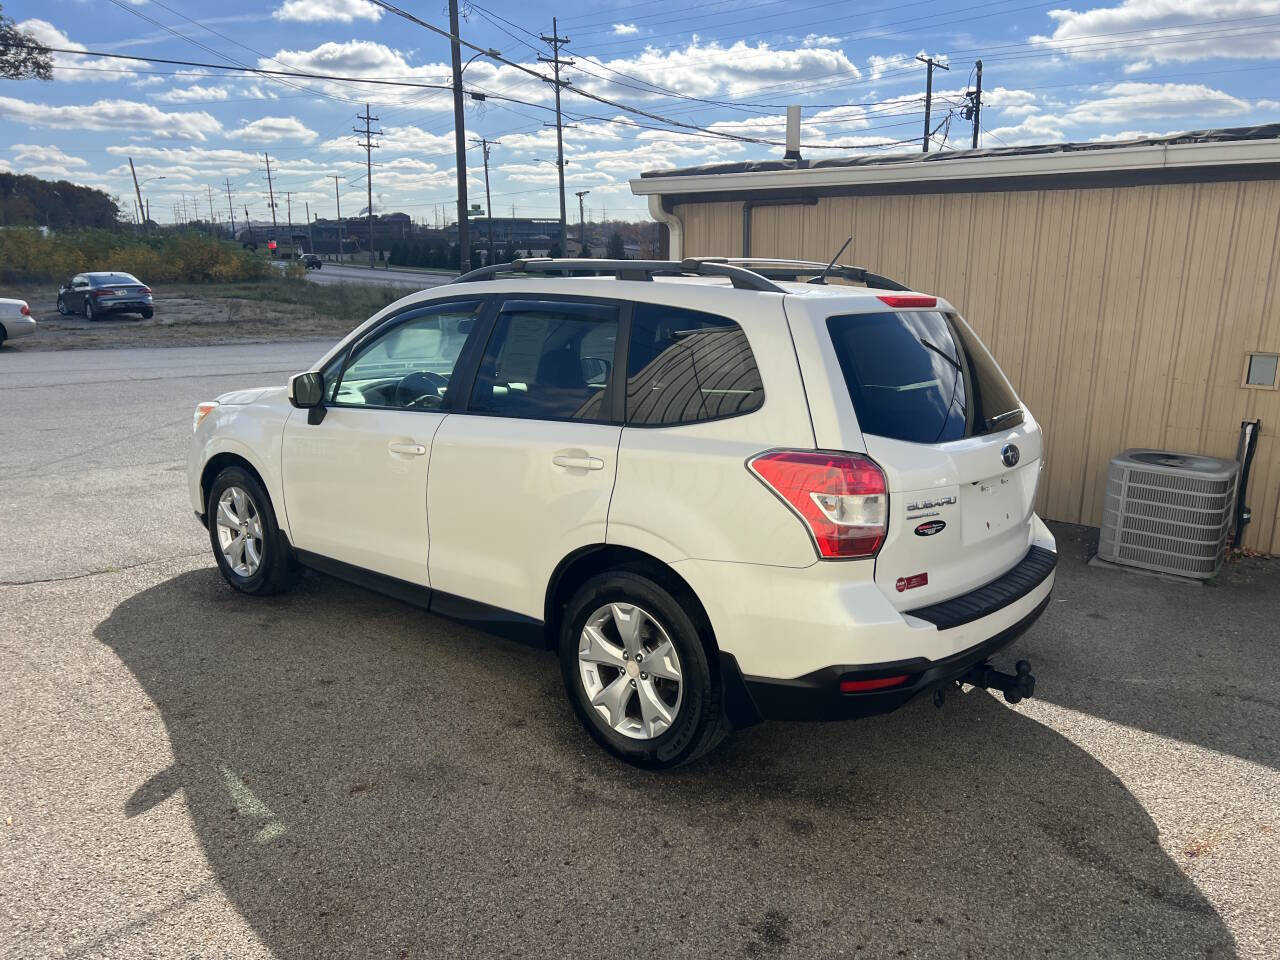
(104, 293)
(866, 686)
(146, 290)
(25, 310)
(909, 301)
(841, 497)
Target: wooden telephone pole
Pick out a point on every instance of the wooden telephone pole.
(928, 97)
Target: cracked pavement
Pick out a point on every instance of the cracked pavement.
(329, 773)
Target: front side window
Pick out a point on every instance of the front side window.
(921, 376)
(408, 365)
(549, 361)
(684, 366)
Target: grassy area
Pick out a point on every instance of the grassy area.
(351, 302)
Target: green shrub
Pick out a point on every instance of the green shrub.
(29, 255)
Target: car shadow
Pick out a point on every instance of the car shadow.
(1189, 662)
(368, 780)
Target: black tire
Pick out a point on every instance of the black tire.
(700, 721)
(89, 313)
(278, 569)
(148, 313)
(62, 307)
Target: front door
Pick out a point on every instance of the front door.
(523, 476)
(355, 484)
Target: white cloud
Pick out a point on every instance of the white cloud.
(186, 94)
(407, 139)
(275, 129)
(217, 158)
(880, 65)
(340, 11)
(30, 155)
(1127, 102)
(111, 115)
(820, 40)
(1166, 31)
(625, 29)
(102, 70)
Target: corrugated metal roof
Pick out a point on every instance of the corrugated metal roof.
(1270, 131)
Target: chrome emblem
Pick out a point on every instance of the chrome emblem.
(1010, 454)
(929, 504)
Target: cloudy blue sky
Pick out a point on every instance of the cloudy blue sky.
(728, 67)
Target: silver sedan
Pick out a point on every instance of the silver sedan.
(15, 319)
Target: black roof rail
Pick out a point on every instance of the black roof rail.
(778, 269)
(739, 276)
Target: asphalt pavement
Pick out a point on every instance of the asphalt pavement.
(187, 772)
(341, 273)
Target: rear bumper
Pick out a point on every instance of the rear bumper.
(998, 612)
(817, 696)
(19, 327)
(135, 305)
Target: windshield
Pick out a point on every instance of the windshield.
(921, 376)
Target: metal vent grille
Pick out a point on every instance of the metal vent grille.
(1168, 512)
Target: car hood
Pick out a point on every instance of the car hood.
(240, 398)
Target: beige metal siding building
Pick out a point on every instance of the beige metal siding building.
(1122, 288)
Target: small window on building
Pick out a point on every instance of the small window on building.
(1260, 370)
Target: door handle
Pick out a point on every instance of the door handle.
(580, 463)
(408, 449)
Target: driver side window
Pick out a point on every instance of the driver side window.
(409, 363)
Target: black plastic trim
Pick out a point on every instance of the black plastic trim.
(817, 696)
(1030, 572)
(482, 616)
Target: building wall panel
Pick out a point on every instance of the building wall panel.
(1122, 314)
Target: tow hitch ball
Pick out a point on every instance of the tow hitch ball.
(1018, 686)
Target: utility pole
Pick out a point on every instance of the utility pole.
(928, 96)
(370, 146)
(271, 194)
(138, 191)
(231, 210)
(488, 199)
(459, 141)
(557, 42)
(248, 221)
(148, 220)
(311, 237)
(337, 200)
(582, 224)
(288, 206)
(974, 110)
(209, 191)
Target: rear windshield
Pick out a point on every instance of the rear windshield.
(107, 279)
(921, 376)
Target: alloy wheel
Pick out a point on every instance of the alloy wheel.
(239, 526)
(630, 670)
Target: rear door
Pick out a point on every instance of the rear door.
(961, 455)
(524, 474)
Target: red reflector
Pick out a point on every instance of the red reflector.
(25, 310)
(909, 301)
(841, 497)
(915, 580)
(879, 683)
(104, 293)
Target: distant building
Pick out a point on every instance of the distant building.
(521, 232)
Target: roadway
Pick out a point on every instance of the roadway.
(342, 273)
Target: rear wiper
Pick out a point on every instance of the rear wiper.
(992, 421)
(940, 352)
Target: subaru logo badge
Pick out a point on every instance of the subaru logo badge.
(1010, 455)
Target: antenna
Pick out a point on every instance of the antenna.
(822, 278)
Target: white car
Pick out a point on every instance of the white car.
(720, 493)
(15, 319)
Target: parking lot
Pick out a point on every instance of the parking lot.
(329, 773)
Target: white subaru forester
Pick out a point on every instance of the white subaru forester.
(722, 490)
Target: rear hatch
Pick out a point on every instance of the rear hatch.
(961, 455)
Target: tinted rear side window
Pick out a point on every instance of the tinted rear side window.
(685, 366)
(921, 377)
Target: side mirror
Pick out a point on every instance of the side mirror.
(306, 390)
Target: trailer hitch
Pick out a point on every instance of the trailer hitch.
(1017, 686)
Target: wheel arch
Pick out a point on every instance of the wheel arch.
(586, 562)
(219, 462)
